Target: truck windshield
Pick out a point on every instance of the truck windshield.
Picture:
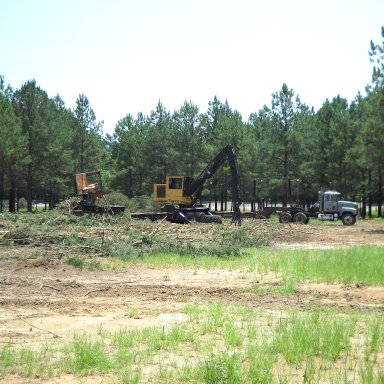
(332, 197)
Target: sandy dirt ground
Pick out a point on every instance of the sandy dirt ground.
(44, 298)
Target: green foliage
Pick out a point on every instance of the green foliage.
(114, 198)
(339, 146)
(75, 261)
(141, 204)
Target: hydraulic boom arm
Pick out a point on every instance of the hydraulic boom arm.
(227, 152)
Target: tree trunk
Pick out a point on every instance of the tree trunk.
(130, 189)
(29, 188)
(380, 196)
(82, 152)
(290, 192)
(369, 195)
(12, 197)
(364, 199)
(287, 181)
(221, 201)
(1, 190)
(253, 208)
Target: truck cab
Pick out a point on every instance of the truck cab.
(332, 208)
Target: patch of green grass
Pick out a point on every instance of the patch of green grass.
(286, 286)
(327, 336)
(222, 368)
(241, 345)
(75, 261)
(87, 355)
(8, 357)
(375, 339)
(93, 264)
(346, 265)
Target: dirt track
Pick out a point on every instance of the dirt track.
(44, 298)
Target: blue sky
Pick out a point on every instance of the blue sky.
(125, 56)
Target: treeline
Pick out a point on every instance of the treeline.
(285, 151)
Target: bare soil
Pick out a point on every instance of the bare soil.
(44, 298)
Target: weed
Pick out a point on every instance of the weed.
(193, 311)
(222, 368)
(75, 261)
(316, 334)
(261, 364)
(87, 356)
(366, 373)
(375, 338)
(130, 375)
(133, 312)
(286, 287)
(309, 372)
(120, 249)
(232, 336)
(7, 357)
(93, 265)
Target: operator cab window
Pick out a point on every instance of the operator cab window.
(175, 183)
(331, 197)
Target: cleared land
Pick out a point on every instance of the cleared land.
(61, 290)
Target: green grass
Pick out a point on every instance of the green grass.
(219, 343)
(317, 334)
(347, 265)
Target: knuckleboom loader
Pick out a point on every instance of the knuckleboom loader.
(88, 189)
(180, 195)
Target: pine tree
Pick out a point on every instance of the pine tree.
(13, 152)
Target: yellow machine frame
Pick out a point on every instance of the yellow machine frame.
(172, 192)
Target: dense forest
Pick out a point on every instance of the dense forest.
(285, 151)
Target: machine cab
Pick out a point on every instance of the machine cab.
(174, 191)
(329, 201)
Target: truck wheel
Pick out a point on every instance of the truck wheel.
(348, 219)
(285, 218)
(300, 218)
(211, 219)
(190, 216)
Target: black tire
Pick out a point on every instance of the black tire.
(348, 219)
(300, 218)
(190, 216)
(285, 218)
(211, 219)
(199, 215)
